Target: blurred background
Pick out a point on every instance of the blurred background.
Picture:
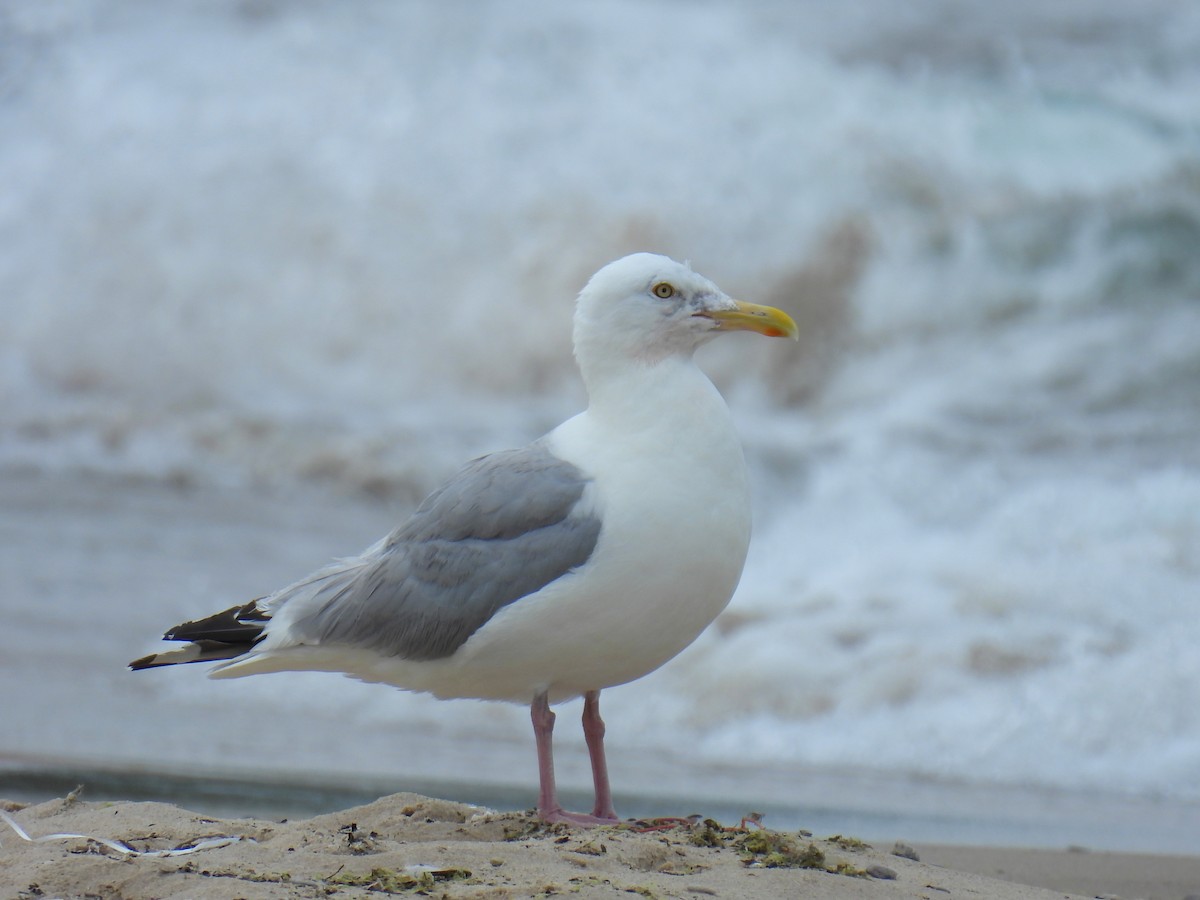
(270, 270)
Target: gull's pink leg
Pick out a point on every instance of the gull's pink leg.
(593, 733)
(543, 736)
(548, 808)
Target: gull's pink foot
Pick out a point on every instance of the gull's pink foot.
(582, 819)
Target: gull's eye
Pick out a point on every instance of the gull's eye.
(664, 291)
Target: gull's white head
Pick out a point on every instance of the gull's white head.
(646, 308)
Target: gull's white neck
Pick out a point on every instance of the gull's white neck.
(664, 417)
(639, 396)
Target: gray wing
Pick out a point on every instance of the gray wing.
(504, 527)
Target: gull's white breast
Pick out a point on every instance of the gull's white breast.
(672, 492)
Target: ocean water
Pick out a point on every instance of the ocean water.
(253, 251)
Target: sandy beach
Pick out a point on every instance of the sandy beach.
(410, 844)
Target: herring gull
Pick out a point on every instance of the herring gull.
(585, 560)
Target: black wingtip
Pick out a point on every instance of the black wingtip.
(236, 625)
(225, 635)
